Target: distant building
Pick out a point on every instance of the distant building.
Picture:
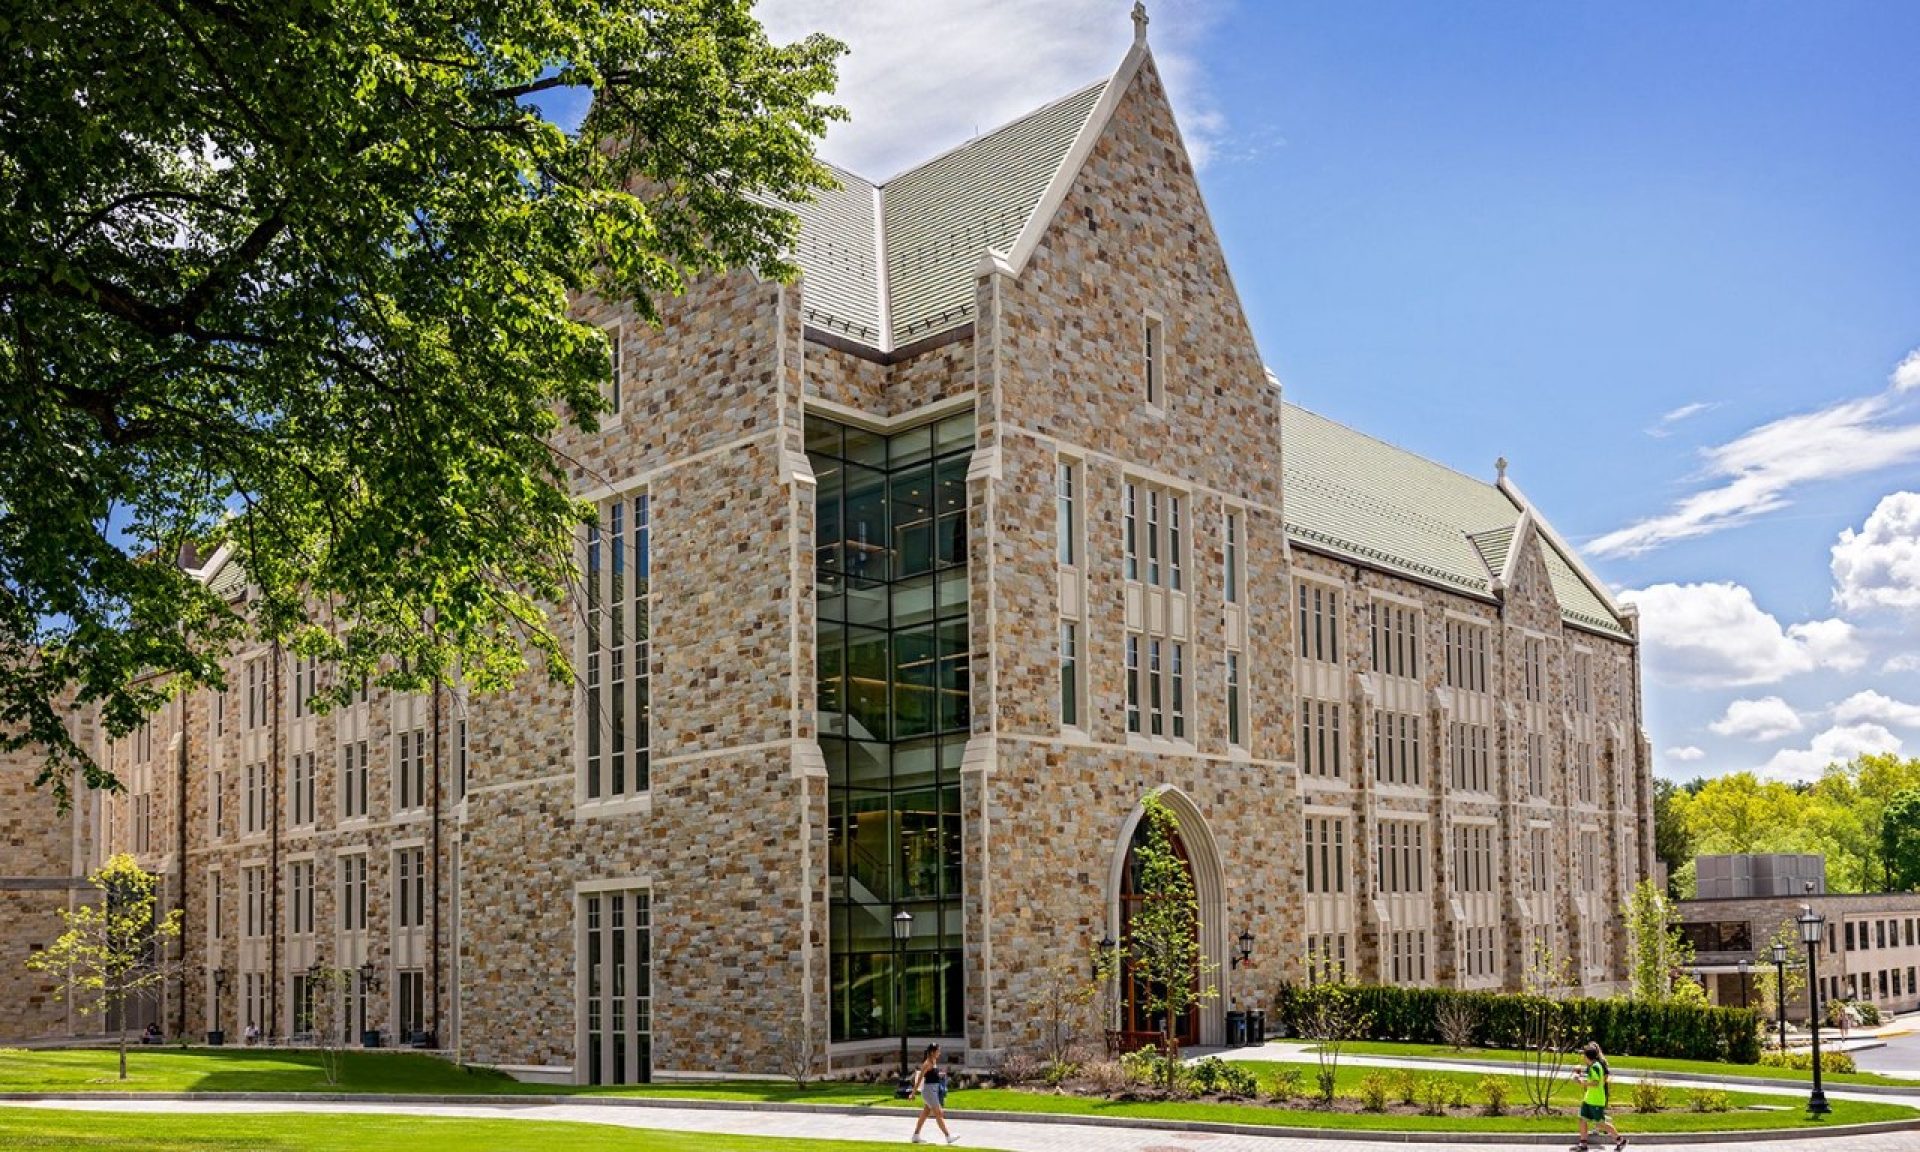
(1759, 874)
(1872, 947)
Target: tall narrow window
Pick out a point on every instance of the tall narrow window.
(1155, 376)
(1230, 578)
(410, 887)
(1153, 536)
(1175, 544)
(617, 986)
(300, 789)
(258, 686)
(353, 780)
(1156, 707)
(353, 892)
(1178, 655)
(1319, 623)
(300, 897)
(617, 717)
(1067, 516)
(460, 758)
(1130, 515)
(1133, 682)
(410, 769)
(615, 365)
(1069, 673)
(1236, 734)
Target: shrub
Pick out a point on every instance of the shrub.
(1454, 1022)
(1406, 1085)
(1146, 1066)
(1374, 1089)
(1107, 1077)
(1287, 1083)
(1707, 1100)
(1214, 1075)
(1499, 1020)
(1020, 1068)
(1649, 1095)
(1058, 1072)
(1433, 1096)
(1803, 1061)
(1456, 1094)
(1494, 1090)
(1869, 1014)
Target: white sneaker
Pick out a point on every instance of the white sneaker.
(919, 1139)
(953, 1139)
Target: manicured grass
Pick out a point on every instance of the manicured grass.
(1628, 1063)
(43, 1128)
(282, 1070)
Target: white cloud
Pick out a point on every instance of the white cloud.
(1767, 718)
(1905, 662)
(920, 78)
(1759, 470)
(1879, 566)
(1836, 745)
(1906, 377)
(1872, 706)
(1687, 754)
(1663, 427)
(1715, 636)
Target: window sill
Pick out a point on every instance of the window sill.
(639, 804)
(1144, 743)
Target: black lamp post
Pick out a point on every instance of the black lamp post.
(1811, 924)
(1106, 947)
(1780, 989)
(1744, 966)
(902, 932)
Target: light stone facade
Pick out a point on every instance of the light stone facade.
(744, 842)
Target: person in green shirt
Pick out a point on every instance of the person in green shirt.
(1593, 1105)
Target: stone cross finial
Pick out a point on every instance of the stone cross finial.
(1139, 20)
(1500, 468)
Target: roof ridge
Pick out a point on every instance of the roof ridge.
(979, 136)
(1384, 443)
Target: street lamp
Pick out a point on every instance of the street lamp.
(1246, 949)
(1780, 989)
(902, 932)
(1811, 925)
(1106, 947)
(1743, 966)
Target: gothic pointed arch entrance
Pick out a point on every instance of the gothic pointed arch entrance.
(1204, 1023)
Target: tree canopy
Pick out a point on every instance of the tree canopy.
(1844, 816)
(297, 278)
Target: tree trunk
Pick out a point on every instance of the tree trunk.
(123, 1046)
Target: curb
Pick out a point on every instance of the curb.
(1391, 1136)
(1629, 1075)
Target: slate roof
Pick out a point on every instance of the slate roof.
(1354, 496)
(893, 263)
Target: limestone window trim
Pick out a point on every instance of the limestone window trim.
(1153, 367)
(613, 388)
(613, 647)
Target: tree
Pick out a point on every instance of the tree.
(296, 278)
(1330, 1016)
(1672, 842)
(1163, 935)
(1544, 1040)
(1900, 841)
(326, 1014)
(1766, 984)
(1658, 954)
(114, 952)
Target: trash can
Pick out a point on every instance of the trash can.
(1236, 1029)
(216, 1038)
(1257, 1026)
(370, 1038)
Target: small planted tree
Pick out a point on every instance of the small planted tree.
(1544, 1036)
(1768, 984)
(326, 1013)
(1163, 936)
(1657, 952)
(114, 953)
(1330, 1016)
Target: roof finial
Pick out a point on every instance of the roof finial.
(1139, 21)
(1500, 468)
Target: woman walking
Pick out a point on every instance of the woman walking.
(930, 1081)
(1593, 1106)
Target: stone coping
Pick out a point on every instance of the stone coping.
(1140, 1124)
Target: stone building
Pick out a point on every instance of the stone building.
(911, 579)
(1870, 949)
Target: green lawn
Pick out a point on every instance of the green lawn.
(280, 1070)
(265, 1070)
(1626, 1063)
(41, 1128)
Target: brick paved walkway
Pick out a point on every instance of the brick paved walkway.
(979, 1135)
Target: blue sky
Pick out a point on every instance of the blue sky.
(1664, 257)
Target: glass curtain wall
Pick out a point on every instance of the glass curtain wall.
(891, 563)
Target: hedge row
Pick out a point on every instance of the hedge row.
(1622, 1027)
